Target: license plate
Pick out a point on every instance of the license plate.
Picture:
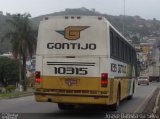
(71, 82)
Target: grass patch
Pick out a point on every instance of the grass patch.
(14, 94)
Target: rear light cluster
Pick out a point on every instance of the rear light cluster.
(37, 76)
(104, 80)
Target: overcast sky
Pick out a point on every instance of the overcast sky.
(147, 9)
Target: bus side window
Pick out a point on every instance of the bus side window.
(111, 43)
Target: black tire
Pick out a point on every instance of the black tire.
(65, 106)
(131, 96)
(115, 106)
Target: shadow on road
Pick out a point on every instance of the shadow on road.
(82, 112)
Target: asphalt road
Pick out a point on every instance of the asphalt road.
(27, 105)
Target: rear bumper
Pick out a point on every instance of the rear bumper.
(71, 99)
(143, 82)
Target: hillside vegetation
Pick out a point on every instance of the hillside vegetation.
(133, 25)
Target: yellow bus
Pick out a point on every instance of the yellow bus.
(83, 60)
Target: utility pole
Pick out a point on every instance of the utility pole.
(123, 16)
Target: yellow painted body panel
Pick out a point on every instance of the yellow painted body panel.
(72, 99)
(89, 90)
(124, 85)
(82, 83)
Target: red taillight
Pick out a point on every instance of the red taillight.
(37, 80)
(104, 76)
(104, 79)
(103, 82)
(37, 76)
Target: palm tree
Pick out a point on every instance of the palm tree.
(23, 40)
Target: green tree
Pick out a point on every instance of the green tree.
(8, 71)
(135, 40)
(23, 40)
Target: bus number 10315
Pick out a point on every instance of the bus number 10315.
(71, 70)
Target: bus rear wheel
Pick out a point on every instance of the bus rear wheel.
(65, 106)
(115, 106)
(131, 96)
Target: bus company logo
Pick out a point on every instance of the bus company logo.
(72, 32)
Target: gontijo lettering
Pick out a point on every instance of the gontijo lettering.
(77, 46)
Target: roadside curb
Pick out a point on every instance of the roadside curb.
(150, 102)
(156, 103)
(142, 108)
